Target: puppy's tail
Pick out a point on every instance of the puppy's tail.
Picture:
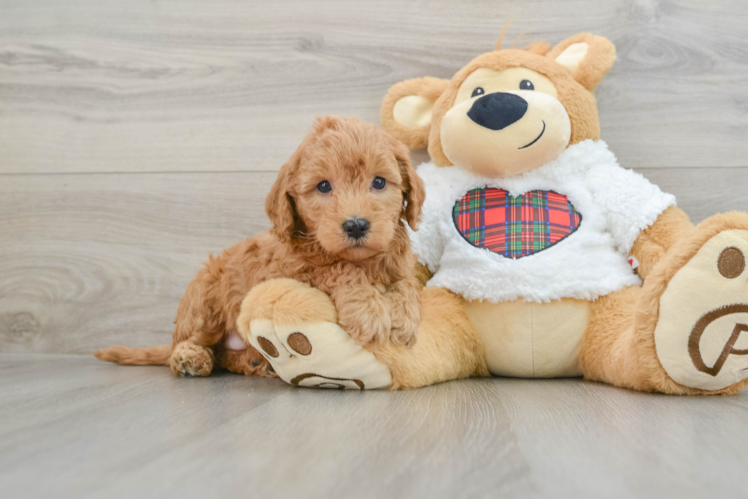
(156, 355)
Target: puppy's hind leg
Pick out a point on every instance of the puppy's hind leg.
(190, 359)
(198, 326)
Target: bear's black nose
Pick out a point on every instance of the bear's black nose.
(498, 110)
(356, 228)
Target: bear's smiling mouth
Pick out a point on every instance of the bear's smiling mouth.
(536, 139)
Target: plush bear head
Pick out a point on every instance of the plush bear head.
(507, 111)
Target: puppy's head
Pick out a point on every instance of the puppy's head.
(348, 186)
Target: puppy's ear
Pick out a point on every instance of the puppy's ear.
(588, 58)
(322, 123)
(279, 204)
(407, 107)
(414, 193)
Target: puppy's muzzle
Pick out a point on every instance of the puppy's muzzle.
(498, 110)
(355, 228)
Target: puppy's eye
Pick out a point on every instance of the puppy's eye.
(478, 91)
(526, 85)
(324, 187)
(378, 183)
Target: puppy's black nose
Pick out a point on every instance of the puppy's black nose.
(356, 228)
(498, 110)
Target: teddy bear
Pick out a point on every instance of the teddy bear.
(540, 255)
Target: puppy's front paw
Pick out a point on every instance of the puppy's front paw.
(405, 311)
(405, 323)
(366, 322)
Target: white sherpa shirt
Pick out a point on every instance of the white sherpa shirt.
(616, 204)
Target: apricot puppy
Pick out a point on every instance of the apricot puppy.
(338, 209)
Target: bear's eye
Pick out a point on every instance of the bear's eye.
(324, 187)
(378, 183)
(526, 85)
(478, 91)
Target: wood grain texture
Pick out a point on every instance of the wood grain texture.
(88, 261)
(91, 260)
(138, 137)
(233, 86)
(71, 426)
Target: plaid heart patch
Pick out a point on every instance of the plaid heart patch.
(515, 227)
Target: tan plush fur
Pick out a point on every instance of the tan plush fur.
(285, 302)
(576, 97)
(597, 62)
(618, 345)
(372, 281)
(651, 245)
(428, 88)
(448, 345)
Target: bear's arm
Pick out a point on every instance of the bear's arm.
(641, 218)
(652, 243)
(422, 274)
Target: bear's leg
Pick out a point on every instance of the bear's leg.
(448, 347)
(294, 327)
(685, 331)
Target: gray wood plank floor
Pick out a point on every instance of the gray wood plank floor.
(138, 137)
(70, 426)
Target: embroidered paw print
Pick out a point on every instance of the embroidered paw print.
(291, 325)
(322, 355)
(702, 334)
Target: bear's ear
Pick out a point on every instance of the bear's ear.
(407, 107)
(588, 57)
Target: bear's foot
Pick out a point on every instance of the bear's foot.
(701, 336)
(294, 327)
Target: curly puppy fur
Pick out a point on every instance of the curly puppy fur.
(371, 280)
